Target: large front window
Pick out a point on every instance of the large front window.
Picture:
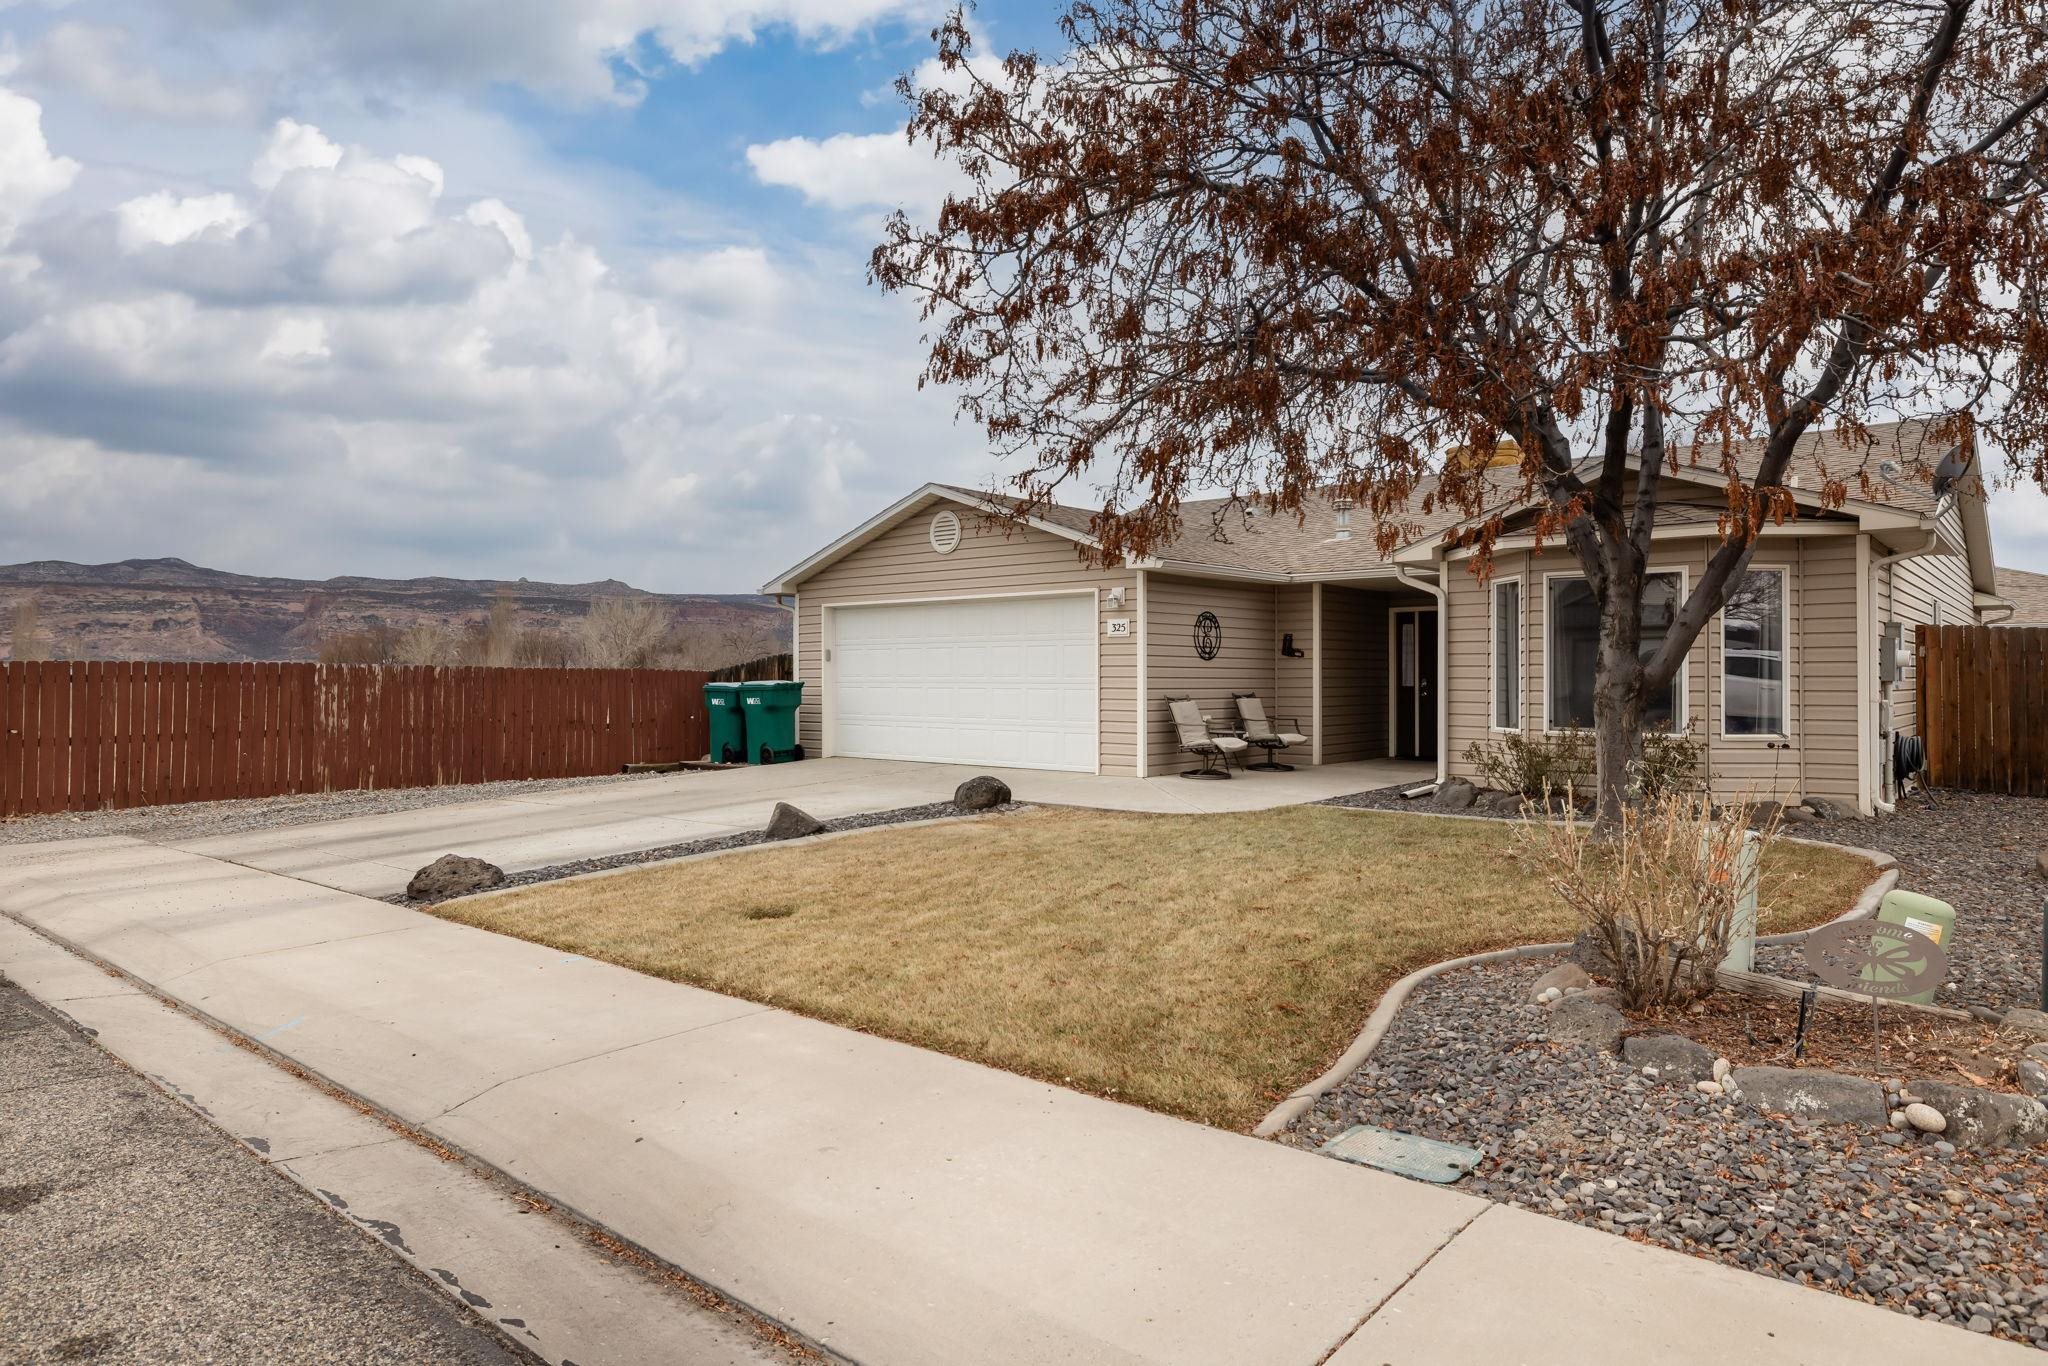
(1574, 625)
(1753, 655)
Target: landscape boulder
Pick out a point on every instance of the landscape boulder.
(981, 794)
(453, 875)
(788, 823)
(1797, 815)
(1595, 1024)
(1589, 953)
(1984, 1119)
(1564, 977)
(1455, 795)
(2034, 1078)
(1493, 799)
(1826, 808)
(2035, 1021)
(1675, 1057)
(1810, 1093)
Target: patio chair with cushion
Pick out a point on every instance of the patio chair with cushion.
(1259, 732)
(1193, 727)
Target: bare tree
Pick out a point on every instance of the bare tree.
(1268, 248)
(25, 636)
(623, 633)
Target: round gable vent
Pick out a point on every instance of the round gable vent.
(946, 532)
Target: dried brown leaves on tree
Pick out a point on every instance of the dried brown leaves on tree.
(1273, 246)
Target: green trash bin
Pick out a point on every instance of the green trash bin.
(728, 722)
(771, 721)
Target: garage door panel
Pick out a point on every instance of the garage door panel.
(1005, 682)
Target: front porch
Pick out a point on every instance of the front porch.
(1351, 666)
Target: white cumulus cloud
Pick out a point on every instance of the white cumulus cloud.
(29, 173)
(855, 170)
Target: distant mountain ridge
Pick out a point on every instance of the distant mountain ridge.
(173, 609)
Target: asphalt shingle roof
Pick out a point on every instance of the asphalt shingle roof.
(1214, 534)
(2028, 593)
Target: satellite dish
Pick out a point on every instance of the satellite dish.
(1950, 472)
(1890, 470)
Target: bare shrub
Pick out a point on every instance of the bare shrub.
(1658, 892)
(372, 645)
(430, 644)
(1551, 762)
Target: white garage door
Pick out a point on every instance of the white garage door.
(1008, 682)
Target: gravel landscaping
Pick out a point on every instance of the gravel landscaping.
(715, 844)
(1976, 851)
(1898, 1218)
(199, 820)
(1909, 1223)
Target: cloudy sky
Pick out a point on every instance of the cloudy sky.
(568, 289)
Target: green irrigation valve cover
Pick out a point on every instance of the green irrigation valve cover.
(1426, 1159)
(1935, 919)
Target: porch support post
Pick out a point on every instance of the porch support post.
(1144, 707)
(1315, 674)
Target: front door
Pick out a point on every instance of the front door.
(1415, 682)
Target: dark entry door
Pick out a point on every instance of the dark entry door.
(1415, 683)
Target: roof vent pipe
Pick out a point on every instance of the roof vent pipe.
(1343, 506)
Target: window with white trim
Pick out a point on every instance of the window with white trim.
(1573, 623)
(1753, 655)
(1507, 654)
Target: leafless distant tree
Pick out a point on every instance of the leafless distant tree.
(623, 633)
(1270, 246)
(25, 634)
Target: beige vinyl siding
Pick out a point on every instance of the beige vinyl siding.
(1295, 679)
(1915, 593)
(1825, 667)
(1248, 662)
(900, 565)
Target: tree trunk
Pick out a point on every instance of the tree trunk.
(1619, 699)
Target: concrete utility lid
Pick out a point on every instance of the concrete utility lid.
(1426, 1159)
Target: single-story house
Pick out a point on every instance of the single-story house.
(2028, 594)
(946, 628)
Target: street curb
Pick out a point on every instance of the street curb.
(1394, 997)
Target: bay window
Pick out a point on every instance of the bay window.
(1507, 654)
(1573, 657)
(1753, 655)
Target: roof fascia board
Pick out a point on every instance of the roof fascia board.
(874, 526)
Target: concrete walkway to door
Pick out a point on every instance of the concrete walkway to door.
(894, 1205)
(376, 855)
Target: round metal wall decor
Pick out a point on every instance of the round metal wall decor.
(1208, 636)
(1874, 959)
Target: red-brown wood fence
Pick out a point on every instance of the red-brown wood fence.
(1983, 707)
(77, 736)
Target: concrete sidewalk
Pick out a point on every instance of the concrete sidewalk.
(892, 1204)
(376, 855)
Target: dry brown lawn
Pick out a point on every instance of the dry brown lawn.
(1200, 965)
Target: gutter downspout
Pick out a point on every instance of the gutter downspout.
(1928, 545)
(1435, 589)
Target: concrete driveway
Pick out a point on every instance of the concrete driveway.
(376, 855)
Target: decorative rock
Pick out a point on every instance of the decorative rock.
(1548, 995)
(1707, 1088)
(2034, 1078)
(788, 823)
(1583, 1020)
(1454, 795)
(1985, 1119)
(1675, 1057)
(1797, 815)
(1589, 954)
(2041, 863)
(1899, 1120)
(980, 794)
(2037, 1051)
(2033, 1021)
(453, 875)
(1810, 1093)
(1825, 807)
(1925, 1118)
(1560, 979)
(1722, 1067)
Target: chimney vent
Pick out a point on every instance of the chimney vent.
(1343, 506)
